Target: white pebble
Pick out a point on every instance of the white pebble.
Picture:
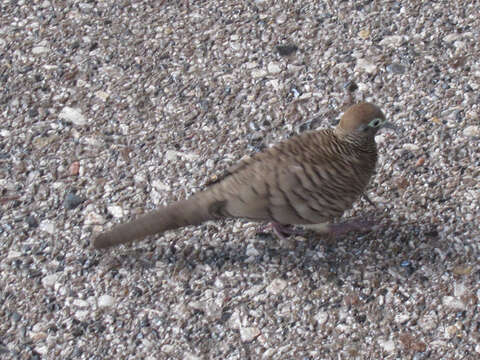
(281, 18)
(402, 318)
(380, 139)
(158, 185)
(365, 65)
(116, 211)
(80, 303)
(248, 334)
(321, 317)
(81, 315)
(105, 301)
(42, 349)
(274, 68)
(94, 219)
(38, 50)
(410, 147)
(72, 115)
(452, 37)
(459, 289)
(171, 155)
(393, 41)
(190, 356)
(12, 254)
(251, 250)
(276, 286)
(49, 280)
(453, 303)
(258, 73)
(472, 131)
(102, 95)
(48, 226)
(387, 345)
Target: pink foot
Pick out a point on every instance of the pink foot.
(360, 225)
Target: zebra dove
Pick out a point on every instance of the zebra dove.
(307, 180)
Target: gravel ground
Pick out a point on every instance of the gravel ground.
(109, 108)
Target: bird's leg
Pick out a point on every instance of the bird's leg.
(282, 231)
(360, 225)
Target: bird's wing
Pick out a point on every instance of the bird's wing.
(285, 184)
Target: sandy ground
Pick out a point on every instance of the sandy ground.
(109, 108)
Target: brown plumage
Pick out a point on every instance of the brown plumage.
(308, 179)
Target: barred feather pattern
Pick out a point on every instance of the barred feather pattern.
(309, 179)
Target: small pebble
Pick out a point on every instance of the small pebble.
(276, 286)
(321, 317)
(472, 131)
(39, 50)
(102, 95)
(453, 303)
(365, 65)
(396, 68)
(248, 334)
(116, 211)
(459, 289)
(258, 73)
(12, 254)
(31, 221)
(274, 68)
(452, 37)
(72, 200)
(72, 115)
(80, 303)
(74, 168)
(393, 41)
(387, 345)
(93, 218)
(160, 186)
(402, 318)
(48, 226)
(105, 301)
(49, 280)
(364, 34)
(285, 50)
(420, 162)
(410, 147)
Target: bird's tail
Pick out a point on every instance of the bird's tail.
(193, 211)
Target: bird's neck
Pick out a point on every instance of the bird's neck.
(363, 143)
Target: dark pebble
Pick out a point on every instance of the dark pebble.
(16, 316)
(461, 314)
(396, 68)
(33, 113)
(361, 318)
(350, 86)
(77, 332)
(31, 221)
(72, 201)
(285, 50)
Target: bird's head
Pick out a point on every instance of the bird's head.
(362, 120)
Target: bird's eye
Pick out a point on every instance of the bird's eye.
(375, 122)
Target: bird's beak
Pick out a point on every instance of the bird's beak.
(389, 125)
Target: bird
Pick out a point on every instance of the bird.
(309, 180)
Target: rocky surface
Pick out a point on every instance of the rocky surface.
(109, 108)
